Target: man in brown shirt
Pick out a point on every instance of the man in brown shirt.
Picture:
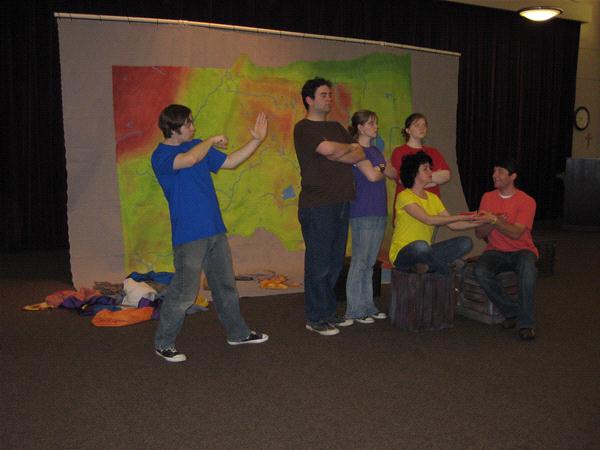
(325, 152)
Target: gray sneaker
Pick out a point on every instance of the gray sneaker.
(324, 329)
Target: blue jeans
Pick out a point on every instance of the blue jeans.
(367, 234)
(522, 263)
(325, 233)
(437, 256)
(214, 256)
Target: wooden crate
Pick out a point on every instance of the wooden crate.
(471, 299)
(421, 302)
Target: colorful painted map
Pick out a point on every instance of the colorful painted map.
(262, 194)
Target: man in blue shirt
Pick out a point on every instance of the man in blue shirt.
(182, 166)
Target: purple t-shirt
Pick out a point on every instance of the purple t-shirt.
(371, 197)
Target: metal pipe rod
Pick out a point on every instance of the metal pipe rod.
(218, 26)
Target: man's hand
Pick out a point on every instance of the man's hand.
(259, 132)
(219, 141)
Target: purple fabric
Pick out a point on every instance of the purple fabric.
(371, 197)
(154, 303)
(73, 302)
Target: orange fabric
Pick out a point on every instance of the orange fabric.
(82, 294)
(129, 316)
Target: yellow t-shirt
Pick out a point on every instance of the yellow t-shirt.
(407, 228)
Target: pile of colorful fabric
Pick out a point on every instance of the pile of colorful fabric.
(136, 300)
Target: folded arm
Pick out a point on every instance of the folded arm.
(372, 173)
(439, 177)
(340, 152)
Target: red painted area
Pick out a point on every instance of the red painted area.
(139, 95)
(342, 102)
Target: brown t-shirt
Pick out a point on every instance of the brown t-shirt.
(323, 181)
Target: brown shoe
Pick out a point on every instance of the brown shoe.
(509, 322)
(527, 334)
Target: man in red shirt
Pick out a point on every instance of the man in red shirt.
(508, 214)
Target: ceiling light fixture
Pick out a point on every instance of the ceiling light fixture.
(540, 13)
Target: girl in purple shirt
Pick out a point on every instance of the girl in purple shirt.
(368, 216)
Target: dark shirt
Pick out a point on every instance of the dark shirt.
(324, 182)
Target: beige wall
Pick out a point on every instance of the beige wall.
(586, 143)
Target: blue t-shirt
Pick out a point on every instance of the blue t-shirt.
(371, 197)
(190, 193)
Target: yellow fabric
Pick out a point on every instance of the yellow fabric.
(201, 300)
(408, 229)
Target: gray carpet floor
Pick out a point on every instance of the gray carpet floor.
(68, 384)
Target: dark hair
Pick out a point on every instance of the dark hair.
(410, 167)
(172, 118)
(508, 163)
(311, 86)
(360, 118)
(409, 121)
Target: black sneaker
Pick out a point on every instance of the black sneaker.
(253, 338)
(170, 354)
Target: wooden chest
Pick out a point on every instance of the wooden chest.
(472, 301)
(421, 302)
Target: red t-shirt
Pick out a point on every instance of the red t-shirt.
(519, 208)
(439, 163)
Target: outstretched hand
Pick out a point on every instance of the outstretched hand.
(259, 132)
(486, 216)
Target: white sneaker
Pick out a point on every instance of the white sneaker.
(366, 319)
(379, 316)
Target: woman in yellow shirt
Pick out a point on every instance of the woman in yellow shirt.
(418, 212)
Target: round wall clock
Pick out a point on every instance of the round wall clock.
(581, 120)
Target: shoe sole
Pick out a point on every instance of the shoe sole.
(380, 317)
(365, 321)
(176, 359)
(265, 338)
(331, 332)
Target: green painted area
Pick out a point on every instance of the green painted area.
(263, 192)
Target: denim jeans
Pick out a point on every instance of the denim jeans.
(214, 257)
(437, 256)
(367, 234)
(522, 263)
(325, 233)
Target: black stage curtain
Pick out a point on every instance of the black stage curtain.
(516, 90)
